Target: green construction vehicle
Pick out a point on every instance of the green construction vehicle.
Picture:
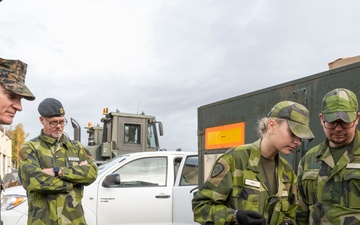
(121, 133)
(231, 122)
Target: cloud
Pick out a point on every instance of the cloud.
(167, 58)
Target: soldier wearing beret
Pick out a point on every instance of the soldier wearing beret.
(252, 184)
(12, 90)
(329, 173)
(54, 169)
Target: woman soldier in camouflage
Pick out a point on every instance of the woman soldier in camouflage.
(252, 183)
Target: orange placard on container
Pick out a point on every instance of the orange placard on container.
(226, 136)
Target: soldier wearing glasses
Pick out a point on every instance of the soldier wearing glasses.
(329, 173)
(54, 170)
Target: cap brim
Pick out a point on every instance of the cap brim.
(300, 130)
(20, 89)
(347, 117)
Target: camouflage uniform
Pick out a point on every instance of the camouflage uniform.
(55, 200)
(237, 181)
(329, 193)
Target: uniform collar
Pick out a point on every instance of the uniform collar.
(255, 164)
(354, 148)
(52, 140)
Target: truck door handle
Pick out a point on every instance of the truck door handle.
(162, 196)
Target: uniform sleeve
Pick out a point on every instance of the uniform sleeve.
(33, 179)
(302, 213)
(209, 204)
(84, 174)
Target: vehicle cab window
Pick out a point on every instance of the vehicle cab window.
(132, 133)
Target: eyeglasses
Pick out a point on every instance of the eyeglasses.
(55, 123)
(343, 124)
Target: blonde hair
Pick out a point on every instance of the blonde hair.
(263, 125)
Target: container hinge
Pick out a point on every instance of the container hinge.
(201, 132)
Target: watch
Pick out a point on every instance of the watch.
(56, 171)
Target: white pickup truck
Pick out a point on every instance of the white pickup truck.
(138, 188)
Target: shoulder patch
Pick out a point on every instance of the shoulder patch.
(217, 170)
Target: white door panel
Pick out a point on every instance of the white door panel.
(142, 196)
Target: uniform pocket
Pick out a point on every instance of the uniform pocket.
(247, 197)
(352, 189)
(309, 183)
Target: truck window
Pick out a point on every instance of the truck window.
(108, 131)
(132, 133)
(190, 172)
(151, 136)
(146, 172)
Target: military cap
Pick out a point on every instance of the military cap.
(339, 103)
(50, 107)
(297, 117)
(12, 77)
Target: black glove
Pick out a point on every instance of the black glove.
(248, 217)
(287, 222)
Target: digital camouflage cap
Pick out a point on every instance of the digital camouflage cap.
(12, 77)
(339, 103)
(297, 117)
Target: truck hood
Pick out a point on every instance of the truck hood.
(13, 192)
(19, 190)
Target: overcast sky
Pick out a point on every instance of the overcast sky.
(167, 58)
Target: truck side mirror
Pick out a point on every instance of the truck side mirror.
(161, 129)
(111, 181)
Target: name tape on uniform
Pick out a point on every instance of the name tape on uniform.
(353, 166)
(252, 183)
